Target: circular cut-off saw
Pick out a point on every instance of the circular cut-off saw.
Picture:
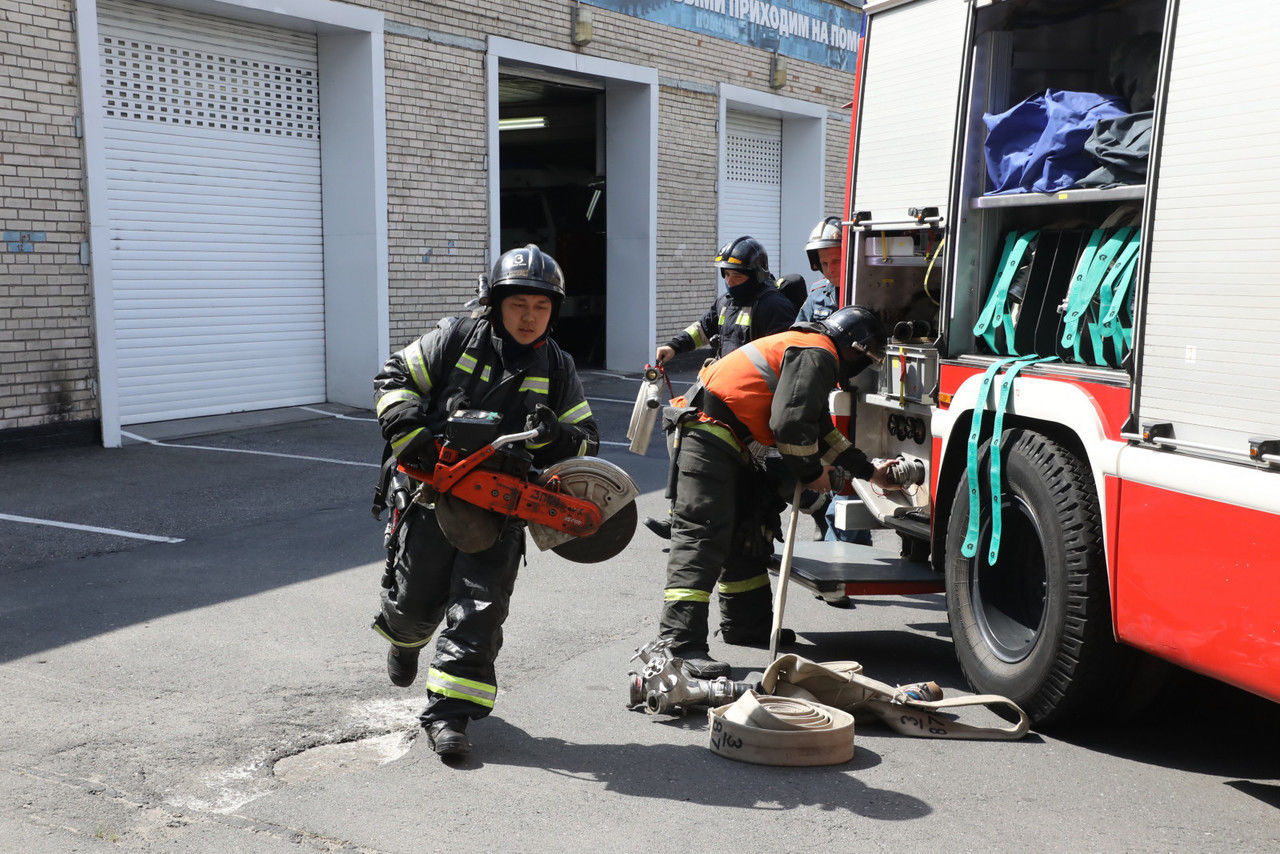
(604, 485)
(582, 508)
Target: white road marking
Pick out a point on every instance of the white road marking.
(609, 400)
(337, 415)
(115, 532)
(160, 444)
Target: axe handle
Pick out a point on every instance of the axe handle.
(784, 576)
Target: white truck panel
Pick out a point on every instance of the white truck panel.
(1210, 348)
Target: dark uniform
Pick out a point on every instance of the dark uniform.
(467, 363)
(773, 392)
(751, 310)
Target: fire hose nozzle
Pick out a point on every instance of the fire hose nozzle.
(906, 471)
(664, 687)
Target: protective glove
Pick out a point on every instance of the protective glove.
(544, 420)
(422, 453)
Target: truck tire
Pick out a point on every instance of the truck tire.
(1036, 627)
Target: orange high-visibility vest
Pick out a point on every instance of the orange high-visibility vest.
(746, 379)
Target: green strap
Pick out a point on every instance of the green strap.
(997, 427)
(970, 547)
(1088, 279)
(995, 316)
(1106, 296)
(1120, 332)
(1077, 301)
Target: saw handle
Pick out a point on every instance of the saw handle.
(443, 477)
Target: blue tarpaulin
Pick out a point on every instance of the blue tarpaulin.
(1038, 145)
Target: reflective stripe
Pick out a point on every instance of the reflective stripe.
(542, 385)
(462, 689)
(685, 594)
(582, 448)
(755, 582)
(417, 362)
(744, 318)
(416, 645)
(400, 444)
(798, 450)
(396, 396)
(486, 373)
(724, 434)
(581, 412)
(836, 444)
(761, 364)
(467, 364)
(694, 331)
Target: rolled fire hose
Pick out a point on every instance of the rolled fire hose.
(767, 730)
(784, 575)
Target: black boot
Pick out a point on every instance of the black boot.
(661, 527)
(700, 665)
(402, 665)
(756, 637)
(448, 737)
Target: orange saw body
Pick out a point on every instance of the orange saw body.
(509, 494)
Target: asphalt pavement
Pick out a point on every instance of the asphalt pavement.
(186, 664)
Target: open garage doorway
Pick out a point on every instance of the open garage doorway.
(552, 184)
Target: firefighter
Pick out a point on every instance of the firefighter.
(823, 249)
(752, 306)
(772, 392)
(502, 361)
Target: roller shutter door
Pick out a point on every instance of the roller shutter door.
(751, 198)
(213, 194)
(1210, 355)
(910, 94)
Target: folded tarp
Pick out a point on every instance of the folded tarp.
(1037, 146)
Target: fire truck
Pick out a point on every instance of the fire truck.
(1085, 375)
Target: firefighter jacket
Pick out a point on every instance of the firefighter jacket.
(776, 389)
(741, 314)
(461, 364)
(820, 302)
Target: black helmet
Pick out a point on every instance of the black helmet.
(824, 235)
(528, 270)
(746, 255)
(858, 337)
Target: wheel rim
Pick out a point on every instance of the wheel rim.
(1009, 597)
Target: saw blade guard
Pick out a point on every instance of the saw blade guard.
(603, 484)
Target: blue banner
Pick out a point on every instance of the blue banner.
(811, 30)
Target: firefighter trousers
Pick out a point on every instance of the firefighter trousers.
(469, 593)
(720, 532)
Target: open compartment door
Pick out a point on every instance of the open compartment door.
(910, 94)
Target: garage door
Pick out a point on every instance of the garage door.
(751, 198)
(213, 194)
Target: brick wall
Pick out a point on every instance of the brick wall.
(687, 65)
(47, 363)
(436, 171)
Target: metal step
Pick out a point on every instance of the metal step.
(829, 568)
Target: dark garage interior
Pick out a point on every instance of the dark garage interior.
(552, 194)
